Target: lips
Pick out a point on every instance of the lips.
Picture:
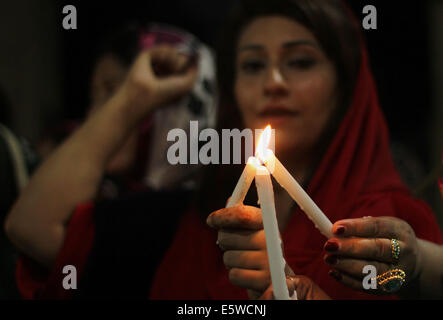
(277, 111)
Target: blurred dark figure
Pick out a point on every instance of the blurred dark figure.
(16, 162)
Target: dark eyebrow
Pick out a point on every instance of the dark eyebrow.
(251, 47)
(297, 43)
(285, 45)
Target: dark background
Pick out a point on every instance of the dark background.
(398, 51)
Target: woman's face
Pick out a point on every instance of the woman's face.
(107, 77)
(284, 78)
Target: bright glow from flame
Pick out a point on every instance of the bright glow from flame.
(263, 143)
(254, 161)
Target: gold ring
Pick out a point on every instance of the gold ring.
(391, 281)
(292, 279)
(395, 250)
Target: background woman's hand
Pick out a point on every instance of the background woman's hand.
(367, 241)
(158, 76)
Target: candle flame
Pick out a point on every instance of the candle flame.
(254, 161)
(263, 143)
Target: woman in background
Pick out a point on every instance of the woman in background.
(135, 166)
(67, 182)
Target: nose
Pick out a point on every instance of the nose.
(275, 84)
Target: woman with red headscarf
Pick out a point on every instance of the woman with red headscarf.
(300, 66)
(292, 67)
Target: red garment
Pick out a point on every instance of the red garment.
(35, 282)
(356, 178)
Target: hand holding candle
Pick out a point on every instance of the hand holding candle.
(242, 238)
(266, 199)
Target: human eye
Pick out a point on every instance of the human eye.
(252, 66)
(302, 63)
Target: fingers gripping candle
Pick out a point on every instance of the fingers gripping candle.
(273, 242)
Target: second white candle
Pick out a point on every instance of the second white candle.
(273, 241)
(287, 181)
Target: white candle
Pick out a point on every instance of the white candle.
(272, 235)
(287, 181)
(243, 184)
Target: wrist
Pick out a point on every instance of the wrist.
(135, 104)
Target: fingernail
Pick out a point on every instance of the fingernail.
(331, 246)
(335, 274)
(340, 230)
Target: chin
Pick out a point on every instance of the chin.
(285, 148)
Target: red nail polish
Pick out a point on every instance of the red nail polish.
(340, 230)
(331, 260)
(335, 274)
(331, 246)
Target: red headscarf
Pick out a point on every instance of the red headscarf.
(355, 178)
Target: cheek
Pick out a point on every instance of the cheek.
(315, 93)
(246, 96)
(316, 96)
